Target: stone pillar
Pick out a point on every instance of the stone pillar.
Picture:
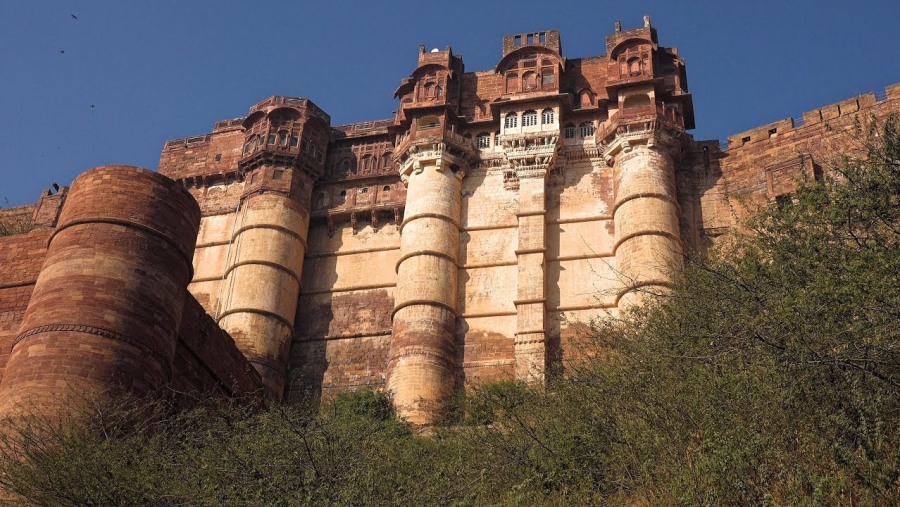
(531, 297)
(261, 285)
(421, 368)
(648, 247)
(107, 304)
(531, 155)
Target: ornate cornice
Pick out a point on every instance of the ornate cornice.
(446, 151)
(622, 133)
(530, 155)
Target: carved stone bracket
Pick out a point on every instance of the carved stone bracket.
(448, 151)
(530, 155)
(651, 132)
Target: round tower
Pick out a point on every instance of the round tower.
(106, 307)
(421, 366)
(283, 155)
(648, 246)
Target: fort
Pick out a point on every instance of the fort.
(470, 237)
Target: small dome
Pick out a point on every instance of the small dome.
(435, 50)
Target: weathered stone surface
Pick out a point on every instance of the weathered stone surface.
(471, 237)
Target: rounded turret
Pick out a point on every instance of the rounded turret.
(283, 155)
(641, 144)
(422, 362)
(106, 307)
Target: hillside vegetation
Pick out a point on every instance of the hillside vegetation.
(769, 375)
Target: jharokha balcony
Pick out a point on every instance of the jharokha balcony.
(658, 112)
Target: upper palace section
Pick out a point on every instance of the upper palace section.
(533, 86)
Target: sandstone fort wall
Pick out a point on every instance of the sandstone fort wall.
(472, 237)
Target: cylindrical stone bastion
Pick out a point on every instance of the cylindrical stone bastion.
(107, 304)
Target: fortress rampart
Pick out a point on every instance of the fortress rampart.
(471, 237)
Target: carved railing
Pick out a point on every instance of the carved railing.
(368, 125)
(456, 143)
(234, 122)
(659, 111)
(278, 100)
(186, 141)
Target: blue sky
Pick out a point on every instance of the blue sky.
(115, 84)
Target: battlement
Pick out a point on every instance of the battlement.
(234, 123)
(823, 114)
(646, 32)
(548, 39)
(363, 128)
(299, 102)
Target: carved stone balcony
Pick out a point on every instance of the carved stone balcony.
(449, 148)
(654, 124)
(530, 155)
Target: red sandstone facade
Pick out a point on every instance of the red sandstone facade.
(471, 237)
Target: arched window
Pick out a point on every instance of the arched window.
(483, 140)
(634, 66)
(283, 139)
(512, 82)
(529, 118)
(429, 122)
(386, 160)
(342, 199)
(586, 129)
(251, 144)
(585, 99)
(635, 101)
(368, 163)
(295, 141)
(271, 138)
(429, 90)
(345, 167)
(547, 77)
(512, 121)
(569, 131)
(529, 81)
(547, 117)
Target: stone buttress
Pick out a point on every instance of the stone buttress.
(421, 367)
(107, 304)
(642, 146)
(283, 155)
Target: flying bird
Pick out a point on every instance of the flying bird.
(62, 51)
(74, 17)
